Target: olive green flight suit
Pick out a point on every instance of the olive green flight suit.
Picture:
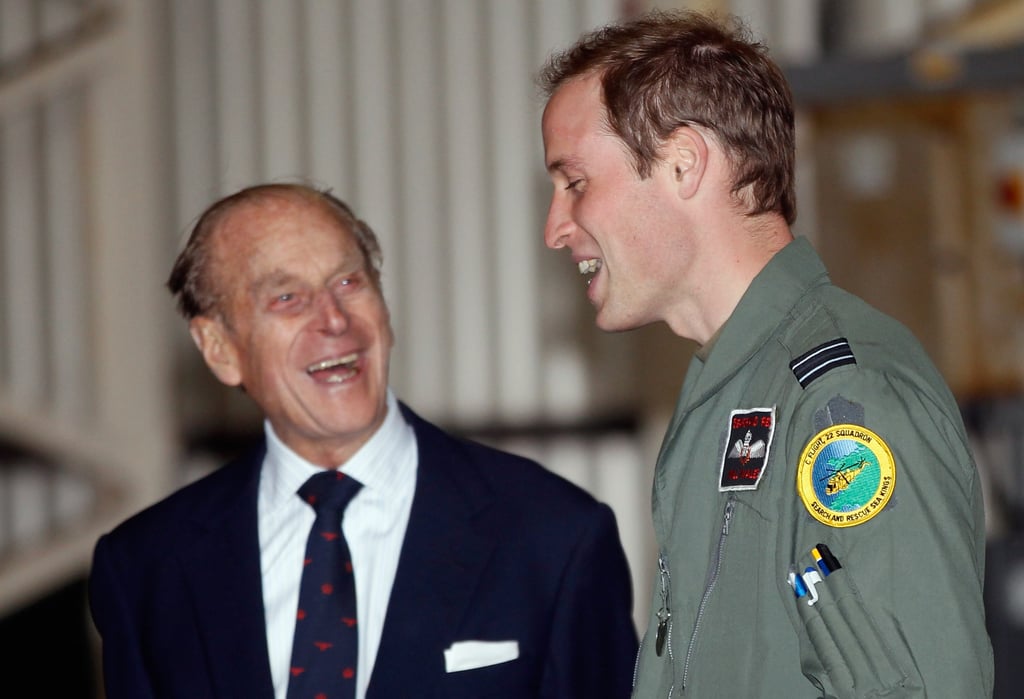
(902, 614)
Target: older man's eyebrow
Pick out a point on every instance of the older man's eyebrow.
(271, 280)
(279, 278)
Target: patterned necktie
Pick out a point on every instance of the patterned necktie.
(324, 651)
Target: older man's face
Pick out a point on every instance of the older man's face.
(303, 329)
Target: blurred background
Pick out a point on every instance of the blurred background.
(121, 119)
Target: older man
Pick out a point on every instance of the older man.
(456, 571)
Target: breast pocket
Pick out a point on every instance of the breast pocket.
(508, 680)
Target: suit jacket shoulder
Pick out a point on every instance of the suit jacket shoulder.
(501, 550)
(175, 593)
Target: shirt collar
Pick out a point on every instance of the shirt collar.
(376, 464)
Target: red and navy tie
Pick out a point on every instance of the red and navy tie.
(325, 648)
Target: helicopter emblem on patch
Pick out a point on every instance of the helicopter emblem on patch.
(846, 475)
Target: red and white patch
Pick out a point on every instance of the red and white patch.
(745, 457)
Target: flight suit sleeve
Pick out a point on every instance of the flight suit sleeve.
(883, 480)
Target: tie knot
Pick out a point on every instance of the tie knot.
(329, 491)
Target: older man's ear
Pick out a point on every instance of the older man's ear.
(218, 348)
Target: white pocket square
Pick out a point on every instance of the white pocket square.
(469, 655)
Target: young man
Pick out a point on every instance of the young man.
(475, 572)
(818, 511)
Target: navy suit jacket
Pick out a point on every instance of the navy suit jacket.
(497, 549)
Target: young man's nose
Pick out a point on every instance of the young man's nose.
(558, 225)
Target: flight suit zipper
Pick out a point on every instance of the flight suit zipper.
(709, 587)
(663, 634)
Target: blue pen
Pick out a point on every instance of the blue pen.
(796, 582)
(822, 566)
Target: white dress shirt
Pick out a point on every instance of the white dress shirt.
(374, 525)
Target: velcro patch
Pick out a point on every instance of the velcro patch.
(821, 360)
(747, 448)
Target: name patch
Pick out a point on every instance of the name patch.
(846, 475)
(746, 450)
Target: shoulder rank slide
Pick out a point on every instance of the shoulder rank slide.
(822, 359)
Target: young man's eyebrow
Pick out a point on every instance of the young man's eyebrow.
(560, 164)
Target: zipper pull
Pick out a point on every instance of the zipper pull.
(729, 507)
(664, 613)
(659, 638)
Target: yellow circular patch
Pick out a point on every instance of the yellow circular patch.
(846, 475)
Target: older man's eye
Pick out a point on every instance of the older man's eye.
(284, 301)
(349, 283)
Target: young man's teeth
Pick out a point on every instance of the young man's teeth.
(347, 360)
(589, 266)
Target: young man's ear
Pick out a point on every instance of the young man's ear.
(686, 153)
(218, 349)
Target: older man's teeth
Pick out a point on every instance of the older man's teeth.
(346, 362)
(589, 266)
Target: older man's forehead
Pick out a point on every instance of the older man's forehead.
(252, 217)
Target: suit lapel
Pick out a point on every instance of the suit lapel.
(222, 571)
(443, 556)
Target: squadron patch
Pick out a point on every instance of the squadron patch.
(746, 449)
(846, 475)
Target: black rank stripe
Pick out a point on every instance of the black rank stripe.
(821, 360)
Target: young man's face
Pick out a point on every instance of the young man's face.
(304, 328)
(618, 226)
